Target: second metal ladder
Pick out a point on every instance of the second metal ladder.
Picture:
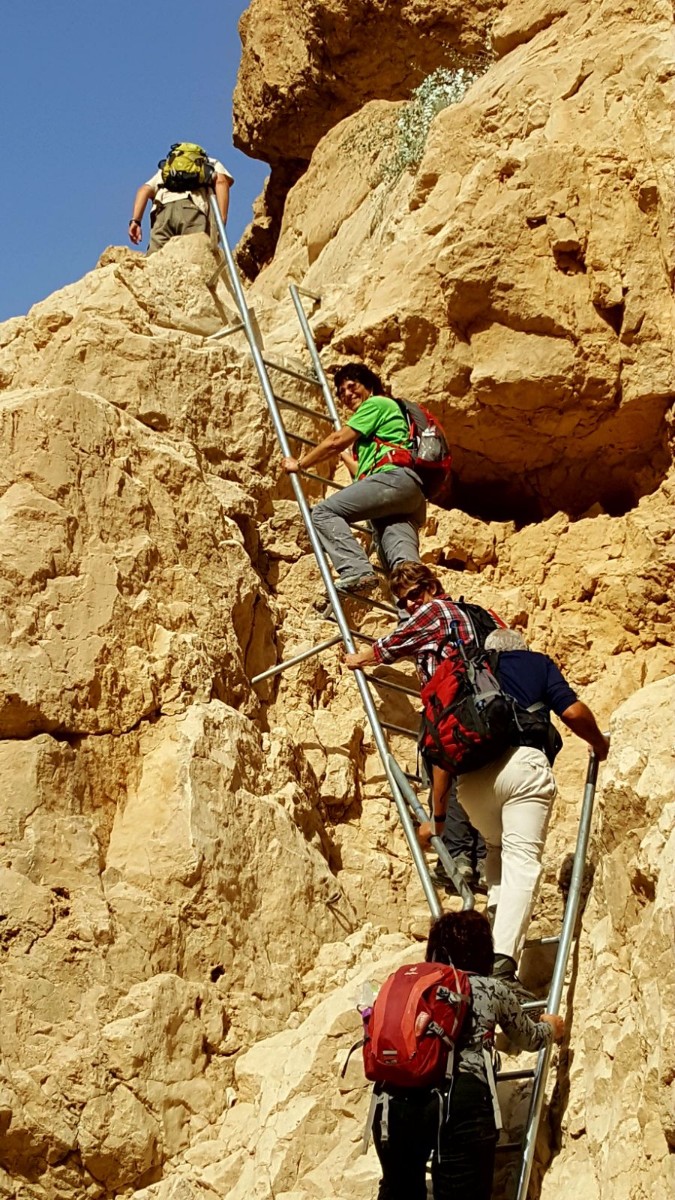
(402, 793)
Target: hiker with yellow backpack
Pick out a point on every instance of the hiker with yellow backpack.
(180, 191)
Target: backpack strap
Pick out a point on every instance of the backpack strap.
(397, 452)
(492, 1082)
(376, 1099)
(356, 1046)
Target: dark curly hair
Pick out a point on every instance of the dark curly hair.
(359, 374)
(463, 939)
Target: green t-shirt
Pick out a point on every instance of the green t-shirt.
(378, 416)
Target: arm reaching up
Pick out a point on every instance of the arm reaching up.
(579, 718)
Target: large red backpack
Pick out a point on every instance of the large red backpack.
(414, 1024)
(429, 453)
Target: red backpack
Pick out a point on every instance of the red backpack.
(429, 453)
(414, 1024)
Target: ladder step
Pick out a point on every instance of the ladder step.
(297, 437)
(542, 941)
(304, 292)
(303, 375)
(303, 408)
(323, 479)
(388, 608)
(526, 1073)
(359, 637)
(530, 1005)
(394, 687)
(226, 331)
(411, 733)
(296, 659)
(508, 1147)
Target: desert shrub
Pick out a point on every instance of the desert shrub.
(443, 87)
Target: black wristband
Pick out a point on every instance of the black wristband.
(439, 820)
(133, 221)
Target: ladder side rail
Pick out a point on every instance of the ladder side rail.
(314, 355)
(366, 697)
(461, 886)
(558, 978)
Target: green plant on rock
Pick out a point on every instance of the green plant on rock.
(442, 88)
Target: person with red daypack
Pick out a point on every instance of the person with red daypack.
(435, 621)
(455, 1119)
(390, 484)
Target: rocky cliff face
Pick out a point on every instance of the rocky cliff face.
(195, 875)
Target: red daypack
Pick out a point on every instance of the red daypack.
(429, 454)
(414, 1025)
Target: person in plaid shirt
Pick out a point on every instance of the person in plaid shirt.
(434, 619)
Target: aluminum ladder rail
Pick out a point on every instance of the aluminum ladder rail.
(461, 886)
(345, 632)
(552, 1004)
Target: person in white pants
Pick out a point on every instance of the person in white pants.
(510, 800)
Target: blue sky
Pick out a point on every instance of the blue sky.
(93, 93)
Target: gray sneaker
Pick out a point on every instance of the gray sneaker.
(463, 865)
(356, 585)
(505, 969)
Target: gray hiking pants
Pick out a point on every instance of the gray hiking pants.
(392, 502)
(174, 219)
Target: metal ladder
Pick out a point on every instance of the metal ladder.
(403, 795)
(539, 1074)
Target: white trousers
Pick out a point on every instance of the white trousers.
(510, 802)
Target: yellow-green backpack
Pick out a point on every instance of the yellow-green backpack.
(186, 167)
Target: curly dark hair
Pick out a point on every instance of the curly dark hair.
(463, 939)
(359, 374)
(407, 575)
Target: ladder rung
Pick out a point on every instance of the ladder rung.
(359, 637)
(226, 331)
(299, 438)
(542, 941)
(526, 1073)
(529, 1005)
(395, 687)
(296, 659)
(305, 376)
(304, 292)
(508, 1147)
(322, 479)
(303, 408)
(413, 777)
(388, 608)
(411, 733)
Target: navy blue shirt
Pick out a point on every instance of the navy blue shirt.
(533, 678)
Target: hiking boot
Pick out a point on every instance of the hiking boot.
(356, 585)
(346, 585)
(463, 865)
(505, 969)
(480, 884)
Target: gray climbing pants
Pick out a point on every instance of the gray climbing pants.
(393, 503)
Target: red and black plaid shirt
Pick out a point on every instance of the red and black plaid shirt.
(422, 635)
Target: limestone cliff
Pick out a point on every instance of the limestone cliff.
(195, 874)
